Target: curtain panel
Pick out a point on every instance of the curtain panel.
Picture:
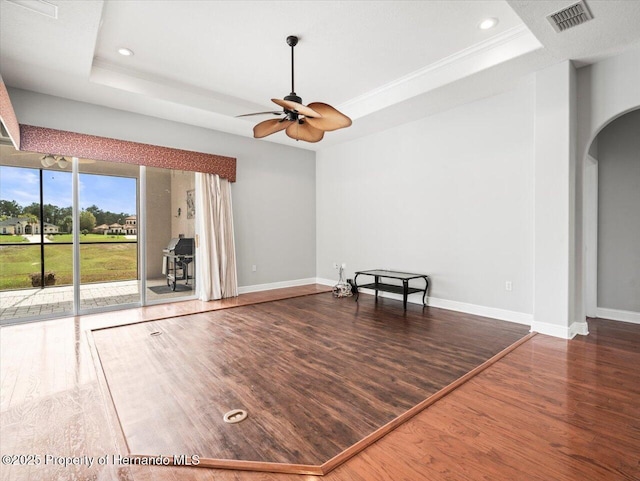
(215, 247)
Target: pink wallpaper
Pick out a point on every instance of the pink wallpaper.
(71, 144)
(8, 116)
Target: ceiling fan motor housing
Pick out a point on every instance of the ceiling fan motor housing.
(293, 97)
(292, 114)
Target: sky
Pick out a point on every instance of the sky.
(113, 194)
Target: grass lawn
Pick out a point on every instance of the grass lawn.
(10, 239)
(90, 238)
(98, 263)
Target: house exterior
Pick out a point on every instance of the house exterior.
(101, 229)
(115, 228)
(130, 225)
(25, 226)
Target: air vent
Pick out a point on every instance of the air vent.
(570, 16)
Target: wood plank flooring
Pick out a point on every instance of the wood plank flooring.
(316, 374)
(550, 410)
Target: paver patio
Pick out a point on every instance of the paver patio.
(58, 300)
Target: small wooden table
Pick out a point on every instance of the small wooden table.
(404, 289)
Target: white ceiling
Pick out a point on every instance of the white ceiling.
(380, 62)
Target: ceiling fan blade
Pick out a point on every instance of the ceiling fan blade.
(301, 130)
(274, 112)
(269, 127)
(296, 107)
(332, 118)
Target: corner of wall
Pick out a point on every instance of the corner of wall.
(563, 332)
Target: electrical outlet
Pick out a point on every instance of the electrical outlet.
(508, 286)
(254, 268)
(335, 265)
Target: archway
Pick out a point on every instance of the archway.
(609, 282)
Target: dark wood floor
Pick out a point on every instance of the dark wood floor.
(316, 374)
(550, 410)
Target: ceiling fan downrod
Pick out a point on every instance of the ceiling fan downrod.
(292, 41)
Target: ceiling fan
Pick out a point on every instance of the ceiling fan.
(302, 122)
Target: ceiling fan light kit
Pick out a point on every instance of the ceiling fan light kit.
(49, 160)
(299, 121)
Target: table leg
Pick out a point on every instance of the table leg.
(376, 286)
(405, 293)
(355, 283)
(426, 287)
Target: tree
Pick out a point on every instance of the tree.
(98, 213)
(67, 224)
(54, 214)
(10, 208)
(33, 219)
(87, 221)
(32, 209)
(61, 217)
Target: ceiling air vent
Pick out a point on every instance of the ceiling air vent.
(570, 16)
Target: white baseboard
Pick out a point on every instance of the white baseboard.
(492, 312)
(276, 285)
(326, 282)
(564, 332)
(618, 315)
(579, 328)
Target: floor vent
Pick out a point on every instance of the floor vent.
(570, 16)
(235, 416)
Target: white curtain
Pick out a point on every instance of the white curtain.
(215, 248)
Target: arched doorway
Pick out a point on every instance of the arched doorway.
(28, 229)
(611, 183)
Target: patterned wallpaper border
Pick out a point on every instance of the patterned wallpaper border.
(72, 144)
(8, 116)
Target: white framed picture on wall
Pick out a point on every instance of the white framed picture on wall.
(191, 204)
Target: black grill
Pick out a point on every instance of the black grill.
(177, 257)
(180, 247)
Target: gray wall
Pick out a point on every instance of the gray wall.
(273, 198)
(450, 195)
(619, 214)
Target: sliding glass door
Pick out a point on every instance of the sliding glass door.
(108, 235)
(36, 269)
(74, 239)
(170, 234)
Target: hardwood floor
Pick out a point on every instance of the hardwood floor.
(316, 374)
(550, 410)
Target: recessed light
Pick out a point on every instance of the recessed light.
(488, 23)
(127, 52)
